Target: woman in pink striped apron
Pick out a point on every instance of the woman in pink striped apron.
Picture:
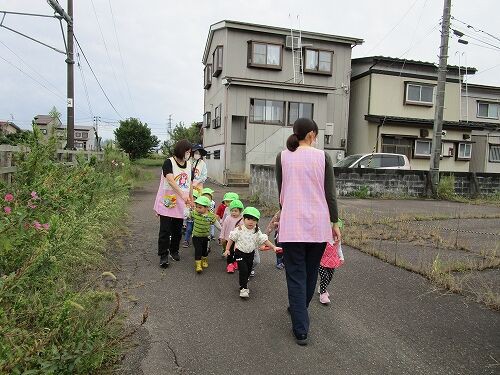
(308, 220)
(174, 193)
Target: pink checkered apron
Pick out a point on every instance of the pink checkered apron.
(304, 214)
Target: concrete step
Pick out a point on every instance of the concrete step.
(237, 184)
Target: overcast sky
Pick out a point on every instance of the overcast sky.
(159, 70)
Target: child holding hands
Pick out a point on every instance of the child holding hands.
(246, 239)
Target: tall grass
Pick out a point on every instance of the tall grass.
(54, 222)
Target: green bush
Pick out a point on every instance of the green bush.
(54, 222)
(446, 188)
(362, 193)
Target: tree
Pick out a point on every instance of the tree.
(192, 134)
(135, 138)
(15, 139)
(55, 114)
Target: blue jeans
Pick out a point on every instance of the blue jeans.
(189, 230)
(301, 267)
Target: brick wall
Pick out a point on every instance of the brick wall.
(379, 182)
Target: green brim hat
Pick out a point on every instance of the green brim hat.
(196, 194)
(230, 196)
(252, 211)
(207, 191)
(236, 204)
(203, 201)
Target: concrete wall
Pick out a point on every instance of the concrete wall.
(378, 182)
(215, 167)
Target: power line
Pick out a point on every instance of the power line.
(395, 26)
(33, 69)
(32, 78)
(475, 28)
(84, 83)
(106, 48)
(93, 73)
(121, 56)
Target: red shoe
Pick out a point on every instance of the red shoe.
(230, 268)
(235, 265)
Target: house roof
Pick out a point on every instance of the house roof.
(273, 30)
(485, 87)
(43, 119)
(462, 125)
(7, 123)
(375, 59)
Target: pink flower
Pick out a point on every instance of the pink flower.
(8, 197)
(31, 205)
(37, 225)
(7, 210)
(46, 226)
(34, 195)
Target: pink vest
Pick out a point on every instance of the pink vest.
(304, 214)
(167, 202)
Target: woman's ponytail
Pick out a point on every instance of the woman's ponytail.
(292, 142)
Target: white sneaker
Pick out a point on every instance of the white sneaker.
(244, 293)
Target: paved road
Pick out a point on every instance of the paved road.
(383, 320)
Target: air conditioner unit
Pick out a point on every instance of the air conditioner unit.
(465, 136)
(424, 133)
(288, 43)
(329, 128)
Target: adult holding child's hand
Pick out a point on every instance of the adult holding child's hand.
(309, 217)
(174, 194)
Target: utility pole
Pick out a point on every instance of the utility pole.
(70, 62)
(441, 84)
(97, 119)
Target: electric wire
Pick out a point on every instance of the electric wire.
(476, 29)
(78, 63)
(106, 48)
(95, 76)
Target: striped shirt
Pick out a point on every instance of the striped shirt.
(201, 227)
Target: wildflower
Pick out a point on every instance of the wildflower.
(7, 210)
(8, 197)
(123, 164)
(46, 226)
(37, 225)
(31, 205)
(34, 195)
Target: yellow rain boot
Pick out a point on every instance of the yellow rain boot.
(204, 262)
(198, 267)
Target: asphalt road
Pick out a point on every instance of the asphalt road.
(382, 320)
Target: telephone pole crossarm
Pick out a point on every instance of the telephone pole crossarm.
(59, 10)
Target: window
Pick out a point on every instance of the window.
(267, 111)
(422, 148)
(391, 161)
(85, 135)
(397, 145)
(206, 119)
(494, 153)
(298, 110)
(419, 94)
(217, 59)
(44, 131)
(208, 76)
(217, 154)
(318, 61)
(370, 161)
(328, 139)
(216, 122)
(464, 151)
(208, 156)
(78, 135)
(264, 55)
(487, 110)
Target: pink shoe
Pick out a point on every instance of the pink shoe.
(324, 298)
(230, 268)
(235, 266)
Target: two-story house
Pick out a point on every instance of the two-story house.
(256, 86)
(85, 137)
(392, 108)
(8, 127)
(481, 106)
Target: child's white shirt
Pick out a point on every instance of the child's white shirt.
(246, 240)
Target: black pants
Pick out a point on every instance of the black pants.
(169, 236)
(245, 264)
(231, 258)
(200, 247)
(301, 266)
(325, 276)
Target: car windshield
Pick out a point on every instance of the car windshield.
(346, 162)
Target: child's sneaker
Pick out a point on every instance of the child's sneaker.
(185, 244)
(280, 266)
(197, 265)
(244, 293)
(235, 265)
(323, 298)
(252, 273)
(230, 268)
(204, 262)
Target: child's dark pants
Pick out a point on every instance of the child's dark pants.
(200, 247)
(245, 263)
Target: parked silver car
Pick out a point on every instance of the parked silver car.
(375, 160)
